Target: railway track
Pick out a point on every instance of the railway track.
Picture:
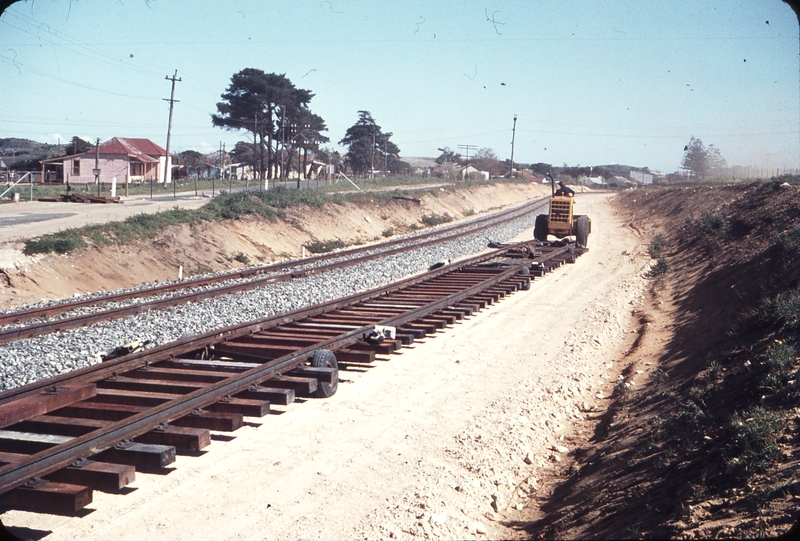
(92, 429)
(36, 321)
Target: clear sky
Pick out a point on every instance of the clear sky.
(591, 81)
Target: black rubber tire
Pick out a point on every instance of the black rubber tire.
(540, 228)
(324, 358)
(582, 230)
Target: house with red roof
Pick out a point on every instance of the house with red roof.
(127, 159)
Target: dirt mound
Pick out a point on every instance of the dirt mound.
(251, 240)
(705, 445)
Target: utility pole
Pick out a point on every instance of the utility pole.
(283, 143)
(96, 170)
(256, 174)
(372, 158)
(513, 137)
(171, 100)
(467, 148)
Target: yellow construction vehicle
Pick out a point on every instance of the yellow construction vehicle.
(560, 221)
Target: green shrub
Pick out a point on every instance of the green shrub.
(657, 245)
(321, 247)
(777, 366)
(436, 219)
(662, 266)
(388, 232)
(711, 224)
(787, 246)
(691, 414)
(781, 313)
(754, 437)
(242, 258)
(658, 376)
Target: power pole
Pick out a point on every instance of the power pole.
(372, 158)
(96, 169)
(283, 144)
(467, 148)
(513, 137)
(171, 100)
(256, 174)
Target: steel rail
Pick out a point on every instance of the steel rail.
(137, 359)
(62, 455)
(38, 329)
(21, 316)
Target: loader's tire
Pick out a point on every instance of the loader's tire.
(582, 228)
(540, 228)
(325, 358)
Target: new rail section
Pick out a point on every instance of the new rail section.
(92, 429)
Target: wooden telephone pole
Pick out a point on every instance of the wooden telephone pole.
(171, 100)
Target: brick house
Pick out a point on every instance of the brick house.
(127, 159)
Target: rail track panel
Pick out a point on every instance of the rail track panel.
(93, 429)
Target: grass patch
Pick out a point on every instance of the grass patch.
(62, 242)
(226, 206)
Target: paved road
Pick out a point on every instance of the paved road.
(28, 219)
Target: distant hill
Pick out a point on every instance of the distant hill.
(16, 151)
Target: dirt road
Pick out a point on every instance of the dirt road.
(448, 439)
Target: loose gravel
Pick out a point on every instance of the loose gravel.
(30, 360)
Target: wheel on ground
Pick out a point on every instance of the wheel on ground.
(325, 358)
(540, 228)
(582, 228)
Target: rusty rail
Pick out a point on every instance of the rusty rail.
(288, 340)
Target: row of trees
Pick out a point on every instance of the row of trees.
(275, 112)
(701, 161)
(484, 159)
(277, 115)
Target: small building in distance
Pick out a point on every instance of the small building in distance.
(128, 159)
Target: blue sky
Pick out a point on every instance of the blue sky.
(591, 82)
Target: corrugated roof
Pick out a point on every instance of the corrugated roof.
(141, 149)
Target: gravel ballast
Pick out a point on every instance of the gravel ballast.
(27, 361)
